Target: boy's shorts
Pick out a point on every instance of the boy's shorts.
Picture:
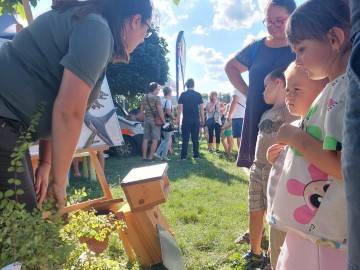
(259, 175)
(237, 124)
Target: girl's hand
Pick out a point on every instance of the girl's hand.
(273, 152)
(287, 134)
(41, 181)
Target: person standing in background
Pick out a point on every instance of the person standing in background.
(163, 148)
(191, 105)
(260, 58)
(151, 107)
(236, 115)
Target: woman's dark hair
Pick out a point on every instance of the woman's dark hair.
(278, 74)
(167, 91)
(289, 5)
(115, 12)
(152, 86)
(315, 18)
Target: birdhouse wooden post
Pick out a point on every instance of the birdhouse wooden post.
(144, 189)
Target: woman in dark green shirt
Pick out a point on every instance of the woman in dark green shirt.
(60, 59)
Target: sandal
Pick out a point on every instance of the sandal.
(218, 151)
(211, 151)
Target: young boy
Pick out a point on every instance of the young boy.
(301, 91)
(270, 123)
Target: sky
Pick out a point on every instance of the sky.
(214, 31)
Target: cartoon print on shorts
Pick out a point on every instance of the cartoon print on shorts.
(312, 192)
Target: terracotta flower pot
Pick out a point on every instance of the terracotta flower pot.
(94, 245)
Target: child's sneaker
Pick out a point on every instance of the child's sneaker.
(252, 260)
(266, 265)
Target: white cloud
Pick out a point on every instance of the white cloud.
(235, 14)
(183, 17)
(212, 61)
(166, 13)
(262, 4)
(200, 30)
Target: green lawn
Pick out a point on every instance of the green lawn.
(206, 207)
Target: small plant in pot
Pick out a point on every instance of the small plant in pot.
(92, 228)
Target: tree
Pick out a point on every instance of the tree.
(205, 96)
(148, 63)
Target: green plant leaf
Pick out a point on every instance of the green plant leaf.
(20, 169)
(11, 181)
(20, 192)
(11, 169)
(9, 193)
(17, 182)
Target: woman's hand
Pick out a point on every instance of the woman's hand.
(57, 192)
(273, 152)
(41, 181)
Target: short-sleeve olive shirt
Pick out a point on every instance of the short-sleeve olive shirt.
(32, 65)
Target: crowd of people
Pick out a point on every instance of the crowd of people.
(295, 122)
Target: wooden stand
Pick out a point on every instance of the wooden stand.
(144, 189)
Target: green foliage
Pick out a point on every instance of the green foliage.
(224, 97)
(24, 236)
(148, 64)
(90, 224)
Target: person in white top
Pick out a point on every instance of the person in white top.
(236, 114)
(163, 148)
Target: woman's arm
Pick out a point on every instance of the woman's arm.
(233, 70)
(329, 161)
(67, 120)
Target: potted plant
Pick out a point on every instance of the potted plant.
(91, 228)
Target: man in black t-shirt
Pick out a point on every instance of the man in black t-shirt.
(191, 105)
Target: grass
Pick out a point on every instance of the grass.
(206, 207)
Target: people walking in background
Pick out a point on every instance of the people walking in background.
(213, 121)
(236, 115)
(61, 58)
(191, 106)
(301, 91)
(309, 201)
(260, 58)
(163, 148)
(151, 108)
(270, 123)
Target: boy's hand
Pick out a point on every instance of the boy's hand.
(273, 152)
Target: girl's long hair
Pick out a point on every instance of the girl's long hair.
(116, 12)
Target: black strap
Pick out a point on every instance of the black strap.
(240, 104)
